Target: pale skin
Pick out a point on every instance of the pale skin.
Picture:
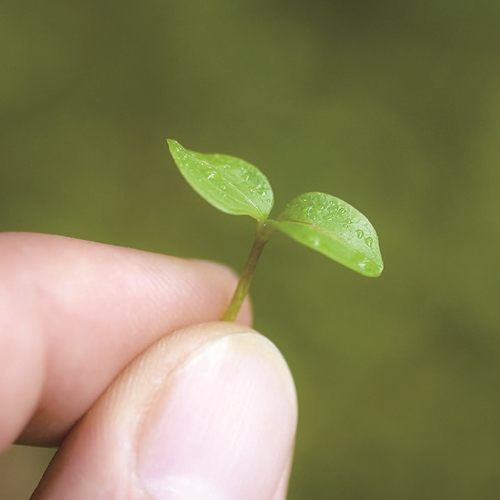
(117, 357)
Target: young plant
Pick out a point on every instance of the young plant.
(318, 220)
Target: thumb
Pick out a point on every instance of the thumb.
(206, 413)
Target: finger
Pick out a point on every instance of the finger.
(74, 313)
(209, 413)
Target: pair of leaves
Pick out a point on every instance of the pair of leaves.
(318, 220)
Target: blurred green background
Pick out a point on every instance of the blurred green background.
(393, 106)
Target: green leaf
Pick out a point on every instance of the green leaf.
(229, 184)
(334, 228)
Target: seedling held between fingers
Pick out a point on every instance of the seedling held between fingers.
(318, 220)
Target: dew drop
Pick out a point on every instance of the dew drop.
(360, 233)
(369, 241)
(307, 211)
(362, 264)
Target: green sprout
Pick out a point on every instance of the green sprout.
(318, 220)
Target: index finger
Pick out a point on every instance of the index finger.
(73, 313)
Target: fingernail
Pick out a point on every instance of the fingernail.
(223, 426)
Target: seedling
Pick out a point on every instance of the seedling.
(318, 220)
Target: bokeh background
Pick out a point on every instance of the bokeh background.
(393, 106)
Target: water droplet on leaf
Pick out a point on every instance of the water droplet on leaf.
(307, 211)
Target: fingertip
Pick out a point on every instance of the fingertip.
(223, 426)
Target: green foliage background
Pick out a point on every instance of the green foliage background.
(393, 106)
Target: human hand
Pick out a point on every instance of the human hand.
(114, 354)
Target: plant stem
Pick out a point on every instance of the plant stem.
(262, 234)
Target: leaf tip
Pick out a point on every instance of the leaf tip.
(172, 144)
